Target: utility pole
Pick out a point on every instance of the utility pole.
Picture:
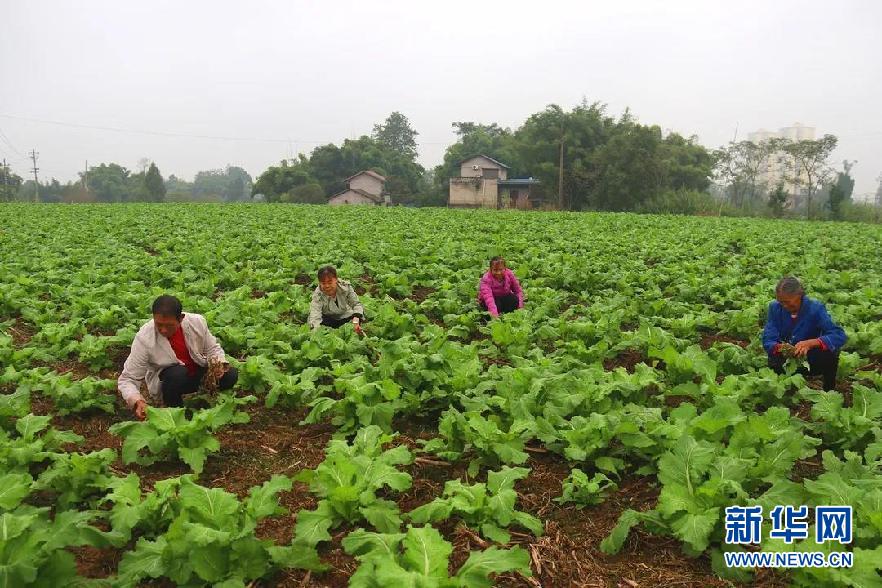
(34, 155)
(86, 177)
(5, 180)
(560, 202)
(879, 191)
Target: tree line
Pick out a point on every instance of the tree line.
(111, 182)
(780, 176)
(584, 157)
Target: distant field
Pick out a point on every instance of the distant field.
(636, 361)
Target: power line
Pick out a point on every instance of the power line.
(6, 140)
(155, 133)
(180, 135)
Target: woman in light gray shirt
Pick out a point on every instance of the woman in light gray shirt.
(334, 302)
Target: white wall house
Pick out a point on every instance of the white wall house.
(483, 183)
(365, 187)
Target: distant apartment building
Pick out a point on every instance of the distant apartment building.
(774, 171)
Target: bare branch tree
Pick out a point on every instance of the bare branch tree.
(807, 164)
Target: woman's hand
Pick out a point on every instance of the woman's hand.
(803, 347)
(140, 409)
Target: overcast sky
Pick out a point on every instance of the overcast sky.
(248, 83)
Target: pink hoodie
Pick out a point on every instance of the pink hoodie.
(490, 287)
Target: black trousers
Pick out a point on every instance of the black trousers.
(336, 323)
(176, 382)
(507, 303)
(821, 363)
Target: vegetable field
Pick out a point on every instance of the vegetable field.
(594, 438)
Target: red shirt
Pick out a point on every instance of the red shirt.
(179, 345)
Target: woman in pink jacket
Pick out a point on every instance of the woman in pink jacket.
(499, 289)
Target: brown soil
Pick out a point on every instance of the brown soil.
(303, 279)
(626, 359)
(257, 294)
(22, 332)
(76, 369)
(803, 410)
(93, 428)
(41, 405)
(96, 563)
(420, 293)
(365, 283)
(488, 361)
(675, 401)
(569, 302)
(807, 469)
(118, 355)
(567, 555)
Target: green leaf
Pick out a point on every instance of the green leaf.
(505, 478)
(209, 562)
(361, 543)
(426, 552)
(437, 510)
(29, 425)
(13, 489)
(297, 555)
(695, 529)
(475, 572)
(494, 533)
(213, 505)
(383, 515)
(312, 525)
(145, 561)
(193, 457)
(613, 542)
(686, 463)
(263, 500)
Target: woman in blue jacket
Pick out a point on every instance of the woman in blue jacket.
(800, 326)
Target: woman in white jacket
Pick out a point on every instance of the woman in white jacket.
(171, 353)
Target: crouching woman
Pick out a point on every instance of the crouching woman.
(334, 302)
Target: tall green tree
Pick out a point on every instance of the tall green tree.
(558, 147)
(154, 184)
(211, 183)
(109, 182)
(396, 135)
(628, 170)
(238, 184)
(278, 181)
(778, 200)
(327, 167)
(9, 184)
(689, 165)
(841, 190)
